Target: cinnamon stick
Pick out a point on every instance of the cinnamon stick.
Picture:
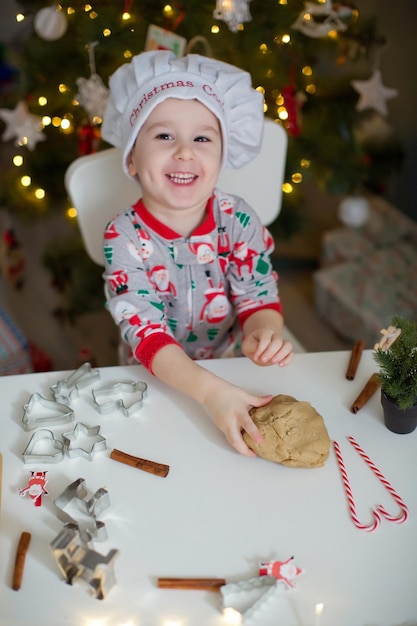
(367, 392)
(158, 469)
(204, 584)
(19, 563)
(355, 358)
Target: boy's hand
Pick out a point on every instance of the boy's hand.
(267, 347)
(229, 406)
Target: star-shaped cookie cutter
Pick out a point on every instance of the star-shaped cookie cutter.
(35, 451)
(82, 432)
(40, 411)
(90, 506)
(113, 397)
(67, 389)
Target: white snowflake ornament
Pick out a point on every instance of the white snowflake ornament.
(373, 94)
(93, 95)
(22, 125)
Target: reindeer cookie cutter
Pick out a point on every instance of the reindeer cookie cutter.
(77, 498)
(78, 563)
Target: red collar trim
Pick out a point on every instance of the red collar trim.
(206, 227)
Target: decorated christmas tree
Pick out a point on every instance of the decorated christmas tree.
(317, 64)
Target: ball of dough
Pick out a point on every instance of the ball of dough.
(294, 434)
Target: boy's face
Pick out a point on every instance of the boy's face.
(177, 156)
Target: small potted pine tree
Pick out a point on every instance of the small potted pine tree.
(396, 356)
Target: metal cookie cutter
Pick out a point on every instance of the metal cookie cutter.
(81, 433)
(64, 390)
(80, 564)
(107, 399)
(43, 448)
(76, 496)
(40, 411)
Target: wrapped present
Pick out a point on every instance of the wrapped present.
(14, 348)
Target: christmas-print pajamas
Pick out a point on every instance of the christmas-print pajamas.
(197, 291)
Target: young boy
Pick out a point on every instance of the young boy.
(188, 274)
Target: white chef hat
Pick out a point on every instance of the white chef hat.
(136, 88)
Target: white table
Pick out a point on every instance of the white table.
(217, 514)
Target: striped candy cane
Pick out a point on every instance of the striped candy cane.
(404, 509)
(352, 507)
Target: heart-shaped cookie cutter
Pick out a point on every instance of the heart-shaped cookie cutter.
(113, 395)
(35, 412)
(39, 439)
(82, 431)
(67, 389)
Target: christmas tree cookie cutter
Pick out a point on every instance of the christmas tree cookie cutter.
(85, 509)
(43, 448)
(80, 564)
(82, 432)
(67, 389)
(110, 398)
(40, 411)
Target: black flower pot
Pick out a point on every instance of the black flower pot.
(400, 421)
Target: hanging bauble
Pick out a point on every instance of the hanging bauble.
(354, 211)
(50, 23)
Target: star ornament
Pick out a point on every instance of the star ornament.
(25, 127)
(373, 94)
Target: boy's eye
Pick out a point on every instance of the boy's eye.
(202, 138)
(164, 136)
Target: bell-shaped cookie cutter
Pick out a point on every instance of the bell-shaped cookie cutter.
(41, 438)
(81, 431)
(91, 506)
(40, 411)
(67, 389)
(107, 399)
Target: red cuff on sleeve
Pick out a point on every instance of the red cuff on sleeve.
(149, 346)
(246, 314)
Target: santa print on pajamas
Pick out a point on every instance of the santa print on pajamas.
(163, 288)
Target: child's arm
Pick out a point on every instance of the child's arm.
(227, 404)
(263, 342)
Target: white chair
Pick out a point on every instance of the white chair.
(98, 187)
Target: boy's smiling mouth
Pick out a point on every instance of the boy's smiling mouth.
(181, 178)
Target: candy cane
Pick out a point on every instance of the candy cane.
(349, 495)
(404, 509)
